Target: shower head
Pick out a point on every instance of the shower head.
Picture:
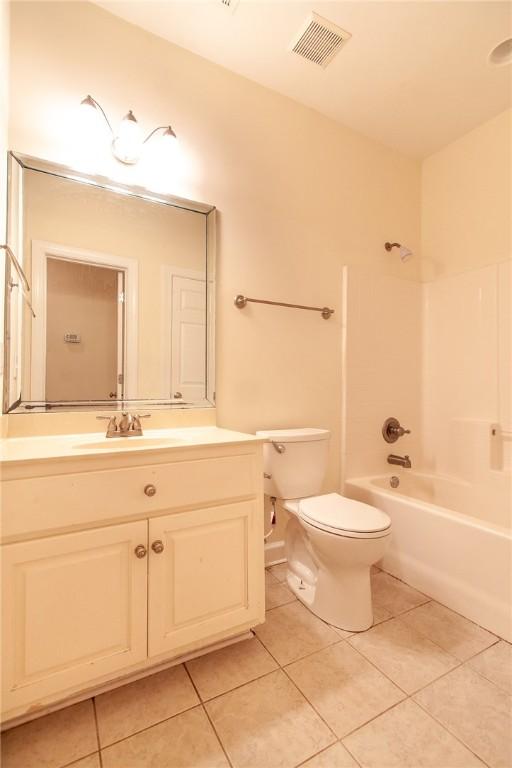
(404, 252)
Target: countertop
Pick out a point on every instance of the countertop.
(20, 449)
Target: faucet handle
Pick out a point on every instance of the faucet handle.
(135, 424)
(112, 427)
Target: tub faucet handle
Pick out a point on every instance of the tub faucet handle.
(392, 430)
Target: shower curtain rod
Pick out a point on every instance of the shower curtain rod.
(241, 302)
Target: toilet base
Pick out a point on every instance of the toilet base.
(351, 610)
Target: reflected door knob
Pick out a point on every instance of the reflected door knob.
(140, 551)
(150, 490)
(157, 546)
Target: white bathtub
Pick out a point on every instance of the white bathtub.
(456, 558)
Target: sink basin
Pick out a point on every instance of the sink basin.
(127, 443)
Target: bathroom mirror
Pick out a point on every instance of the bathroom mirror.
(113, 306)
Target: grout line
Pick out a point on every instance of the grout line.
(445, 727)
(79, 759)
(208, 716)
(97, 730)
(148, 727)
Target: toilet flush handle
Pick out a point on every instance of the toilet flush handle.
(279, 447)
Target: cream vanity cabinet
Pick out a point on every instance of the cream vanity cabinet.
(114, 564)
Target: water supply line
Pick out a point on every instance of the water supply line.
(272, 518)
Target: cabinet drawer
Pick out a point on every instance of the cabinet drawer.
(34, 505)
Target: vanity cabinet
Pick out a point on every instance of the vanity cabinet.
(101, 585)
(73, 608)
(203, 578)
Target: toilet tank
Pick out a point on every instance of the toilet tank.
(296, 460)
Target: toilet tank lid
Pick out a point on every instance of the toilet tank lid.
(302, 435)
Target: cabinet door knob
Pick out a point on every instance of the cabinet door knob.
(140, 551)
(150, 490)
(157, 546)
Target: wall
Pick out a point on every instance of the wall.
(466, 201)
(382, 370)
(299, 196)
(4, 145)
(467, 247)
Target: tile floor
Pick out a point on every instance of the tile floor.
(423, 688)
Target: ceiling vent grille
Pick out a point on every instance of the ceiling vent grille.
(319, 40)
(229, 4)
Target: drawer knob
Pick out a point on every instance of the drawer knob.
(157, 546)
(150, 490)
(140, 551)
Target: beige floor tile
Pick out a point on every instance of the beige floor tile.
(269, 578)
(133, 707)
(380, 614)
(406, 737)
(332, 757)
(292, 631)
(185, 741)
(408, 658)
(268, 724)
(279, 571)
(93, 761)
(230, 667)
(341, 632)
(476, 711)
(51, 741)
(344, 688)
(277, 594)
(455, 634)
(496, 665)
(393, 595)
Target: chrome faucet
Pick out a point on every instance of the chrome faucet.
(401, 461)
(128, 426)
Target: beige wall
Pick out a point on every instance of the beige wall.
(466, 201)
(81, 299)
(4, 145)
(299, 196)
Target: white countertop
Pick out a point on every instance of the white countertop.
(19, 449)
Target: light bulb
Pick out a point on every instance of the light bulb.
(127, 144)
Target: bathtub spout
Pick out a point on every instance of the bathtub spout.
(401, 461)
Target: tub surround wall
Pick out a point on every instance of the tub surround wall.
(381, 370)
(467, 252)
(299, 196)
(467, 387)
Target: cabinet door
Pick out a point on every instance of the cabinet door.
(74, 608)
(208, 578)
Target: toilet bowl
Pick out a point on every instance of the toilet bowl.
(331, 541)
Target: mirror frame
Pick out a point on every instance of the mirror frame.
(18, 405)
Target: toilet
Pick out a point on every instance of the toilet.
(330, 541)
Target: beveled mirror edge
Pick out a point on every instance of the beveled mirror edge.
(19, 407)
(47, 166)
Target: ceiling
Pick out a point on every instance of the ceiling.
(414, 75)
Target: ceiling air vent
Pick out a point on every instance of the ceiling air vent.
(229, 4)
(319, 40)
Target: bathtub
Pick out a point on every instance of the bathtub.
(459, 559)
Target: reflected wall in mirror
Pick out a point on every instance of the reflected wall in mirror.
(122, 287)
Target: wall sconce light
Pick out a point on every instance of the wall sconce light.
(127, 142)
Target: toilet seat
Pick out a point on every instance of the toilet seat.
(340, 516)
